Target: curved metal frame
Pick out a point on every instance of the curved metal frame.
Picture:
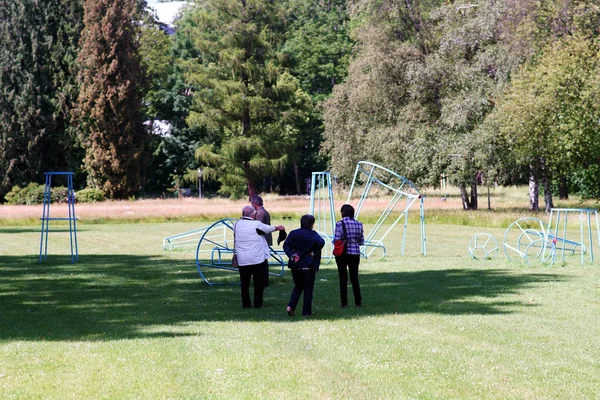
(401, 189)
(223, 248)
(531, 243)
(474, 244)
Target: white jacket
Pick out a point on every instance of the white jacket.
(251, 248)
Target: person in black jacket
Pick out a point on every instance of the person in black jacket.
(303, 247)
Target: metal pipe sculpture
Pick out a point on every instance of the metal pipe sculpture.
(214, 250)
(46, 215)
(482, 246)
(557, 224)
(322, 207)
(376, 180)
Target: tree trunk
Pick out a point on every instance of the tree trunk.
(533, 191)
(464, 196)
(546, 182)
(297, 177)
(474, 195)
(547, 194)
(252, 190)
(563, 188)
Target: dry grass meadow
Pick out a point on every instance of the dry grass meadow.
(442, 206)
(214, 207)
(190, 208)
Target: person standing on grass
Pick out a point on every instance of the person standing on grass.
(263, 216)
(252, 253)
(351, 231)
(303, 247)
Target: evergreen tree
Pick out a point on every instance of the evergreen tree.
(169, 99)
(317, 51)
(110, 98)
(243, 93)
(38, 47)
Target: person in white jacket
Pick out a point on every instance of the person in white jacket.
(252, 253)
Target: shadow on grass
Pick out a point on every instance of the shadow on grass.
(37, 230)
(109, 297)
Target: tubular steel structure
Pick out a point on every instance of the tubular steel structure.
(557, 225)
(378, 181)
(46, 215)
(322, 207)
(214, 248)
(534, 241)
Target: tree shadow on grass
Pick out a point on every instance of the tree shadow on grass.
(111, 297)
(60, 229)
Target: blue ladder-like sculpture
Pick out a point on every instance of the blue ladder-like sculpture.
(71, 218)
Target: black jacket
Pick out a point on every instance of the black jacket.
(307, 245)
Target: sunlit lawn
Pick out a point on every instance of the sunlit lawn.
(132, 321)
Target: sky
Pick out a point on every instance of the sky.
(166, 11)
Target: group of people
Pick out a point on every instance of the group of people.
(253, 238)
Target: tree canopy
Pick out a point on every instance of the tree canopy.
(258, 93)
(243, 92)
(109, 105)
(38, 43)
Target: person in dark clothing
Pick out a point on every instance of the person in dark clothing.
(351, 231)
(262, 215)
(303, 247)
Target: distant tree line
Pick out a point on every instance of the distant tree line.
(259, 93)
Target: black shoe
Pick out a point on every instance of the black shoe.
(290, 312)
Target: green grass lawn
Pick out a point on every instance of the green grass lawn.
(132, 321)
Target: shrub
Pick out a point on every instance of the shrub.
(59, 194)
(89, 195)
(31, 194)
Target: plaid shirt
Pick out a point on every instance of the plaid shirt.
(354, 235)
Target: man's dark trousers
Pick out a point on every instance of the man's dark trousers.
(247, 272)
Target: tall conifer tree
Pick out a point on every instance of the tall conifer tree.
(243, 92)
(110, 98)
(38, 47)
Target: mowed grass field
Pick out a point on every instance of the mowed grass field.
(130, 320)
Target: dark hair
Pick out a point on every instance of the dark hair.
(307, 221)
(256, 200)
(347, 211)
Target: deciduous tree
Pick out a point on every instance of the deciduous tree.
(550, 113)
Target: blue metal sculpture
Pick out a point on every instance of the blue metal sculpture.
(534, 241)
(322, 207)
(214, 250)
(376, 180)
(527, 240)
(557, 230)
(46, 215)
(482, 246)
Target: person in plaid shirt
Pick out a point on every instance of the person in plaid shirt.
(351, 231)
